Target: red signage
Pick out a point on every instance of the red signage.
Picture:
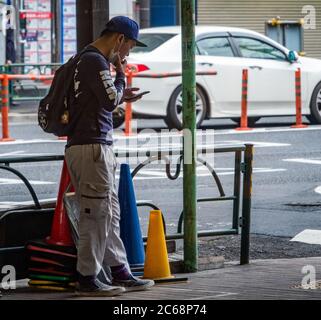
(35, 15)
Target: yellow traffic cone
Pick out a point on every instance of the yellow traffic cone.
(156, 265)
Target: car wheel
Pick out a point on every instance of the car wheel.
(315, 105)
(174, 118)
(250, 121)
(118, 117)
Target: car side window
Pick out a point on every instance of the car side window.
(256, 49)
(216, 46)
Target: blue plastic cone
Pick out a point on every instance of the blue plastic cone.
(130, 231)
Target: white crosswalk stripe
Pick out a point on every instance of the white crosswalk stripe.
(304, 160)
(149, 174)
(4, 181)
(318, 189)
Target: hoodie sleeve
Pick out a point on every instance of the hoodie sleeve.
(94, 71)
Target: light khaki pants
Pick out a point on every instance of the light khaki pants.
(92, 169)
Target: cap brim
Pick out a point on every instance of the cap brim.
(140, 44)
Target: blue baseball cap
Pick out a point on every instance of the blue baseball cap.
(126, 26)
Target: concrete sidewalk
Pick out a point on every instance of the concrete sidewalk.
(260, 280)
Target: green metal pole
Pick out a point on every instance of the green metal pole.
(246, 210)
(189, 172)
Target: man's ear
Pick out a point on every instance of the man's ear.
(121, 38)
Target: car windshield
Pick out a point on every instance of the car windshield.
(152, 40)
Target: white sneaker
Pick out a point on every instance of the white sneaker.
(95, 288)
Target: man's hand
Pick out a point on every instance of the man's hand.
(129, 93)
(120, 66)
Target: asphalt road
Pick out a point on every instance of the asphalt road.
(285, 181)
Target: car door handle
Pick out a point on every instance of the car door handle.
(256, 67)
(206, 64)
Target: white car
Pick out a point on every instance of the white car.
(271, 71)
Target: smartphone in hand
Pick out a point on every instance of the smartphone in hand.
(138, 95)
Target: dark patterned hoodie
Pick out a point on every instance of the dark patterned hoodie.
(97, 95)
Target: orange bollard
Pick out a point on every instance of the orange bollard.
(128, 119)
(243, 125)
(298, 101)
(5, 109)
(60, 230)
(128, 109)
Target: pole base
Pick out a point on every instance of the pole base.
(297, 126)
(7, 139)
(243, 129)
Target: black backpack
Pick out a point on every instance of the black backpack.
(54, 111)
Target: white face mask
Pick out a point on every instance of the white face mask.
(113, 54)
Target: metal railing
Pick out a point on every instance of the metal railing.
(7, 97)
(242, 166)
(42, 69)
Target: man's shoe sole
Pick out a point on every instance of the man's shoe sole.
(139, 288)
(101, 293)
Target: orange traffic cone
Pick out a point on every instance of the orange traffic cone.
(60, 230)
(156, 260)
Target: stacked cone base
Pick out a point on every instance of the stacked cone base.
(35, 263)
(51, 271)
(50, 278)
(66, 256)
(51, 267)
(41, 283)
(51, 285)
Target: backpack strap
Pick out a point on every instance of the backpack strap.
(74, 60)
(87, 49)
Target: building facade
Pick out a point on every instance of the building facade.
(294, 23)
(46, 29)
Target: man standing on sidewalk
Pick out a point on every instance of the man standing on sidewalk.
(92, 163)
(10, 48)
